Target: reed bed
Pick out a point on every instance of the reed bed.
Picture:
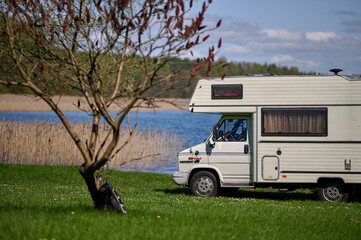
(48, 143)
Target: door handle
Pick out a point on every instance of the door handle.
(347, 164)
(246, 149)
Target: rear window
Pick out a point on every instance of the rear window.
(229, 91)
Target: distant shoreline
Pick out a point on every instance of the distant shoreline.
(28, 103)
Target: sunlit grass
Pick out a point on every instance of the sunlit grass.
(53, 202)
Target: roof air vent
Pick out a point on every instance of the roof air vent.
(336, 70)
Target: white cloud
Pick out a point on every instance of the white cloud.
(237, 31)
(196, 55)
(320, 36)
(312, 64)
(236, 49)
(276, 46)
(353, 25)
(309, 51)
(284, 58)
(282, 34)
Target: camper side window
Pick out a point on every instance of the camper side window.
(294, 122)
(227, 91)
(232, 130)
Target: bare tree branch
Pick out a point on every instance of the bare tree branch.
(140, 158)
(110, 52)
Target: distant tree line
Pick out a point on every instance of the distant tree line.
(229, 68)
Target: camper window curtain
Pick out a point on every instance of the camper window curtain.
(294, 122)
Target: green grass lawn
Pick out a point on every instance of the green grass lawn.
(44, 202)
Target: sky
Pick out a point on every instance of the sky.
(313, 35)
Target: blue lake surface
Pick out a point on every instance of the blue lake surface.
(192, 128)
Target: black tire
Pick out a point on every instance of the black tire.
(332, 192)
(204, 184)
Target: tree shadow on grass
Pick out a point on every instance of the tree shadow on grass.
(269, 194)
(286, 196)
(175, 191)
(249, 194)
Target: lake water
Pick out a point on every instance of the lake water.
(192, 128)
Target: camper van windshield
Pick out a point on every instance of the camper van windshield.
(232, 130)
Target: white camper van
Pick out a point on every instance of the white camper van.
(284, 132)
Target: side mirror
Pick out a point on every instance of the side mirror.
(214, 137)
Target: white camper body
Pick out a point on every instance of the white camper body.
(277, 131)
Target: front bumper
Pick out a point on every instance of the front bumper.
(180, 178)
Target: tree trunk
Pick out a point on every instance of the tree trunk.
(93, 187)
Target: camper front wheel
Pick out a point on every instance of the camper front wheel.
(332, 192)
(204, 184)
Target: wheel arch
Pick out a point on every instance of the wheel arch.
(332, 190)
(323, 180)
(214, 171)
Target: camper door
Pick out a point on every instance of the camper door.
(231, 151)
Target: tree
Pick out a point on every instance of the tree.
(110, 51)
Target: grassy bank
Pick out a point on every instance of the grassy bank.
(48, 143)
(38, 202)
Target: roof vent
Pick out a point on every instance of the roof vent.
(336, 70)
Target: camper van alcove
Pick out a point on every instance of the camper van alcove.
(285, 132)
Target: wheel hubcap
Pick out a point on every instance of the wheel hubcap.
(204, 185)
(333, 192)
